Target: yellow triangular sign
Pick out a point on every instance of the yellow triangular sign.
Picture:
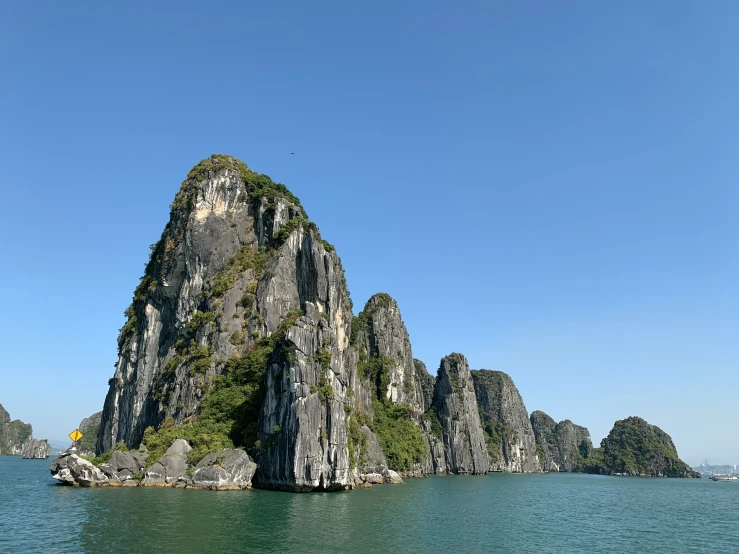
(75, 435)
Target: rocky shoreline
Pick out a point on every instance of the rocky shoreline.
(226, 470)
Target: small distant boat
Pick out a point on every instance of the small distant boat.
(725, 477)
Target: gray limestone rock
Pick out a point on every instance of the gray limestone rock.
(70, 469)
(392, 477)
(225, 470)
(509, 437)
(379, 332)
(127, 464)
(169, 467)
(36, 449)
(426, 383)
(560, 446)
(372, 459)
(456, 406)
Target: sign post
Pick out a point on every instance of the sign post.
(75, 436)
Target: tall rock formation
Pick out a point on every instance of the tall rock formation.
(388, 390)
(634, 447)
(12, 434)
(510, 440)
(561, 446)
(379, 332)
(455, 405)
(242, 287)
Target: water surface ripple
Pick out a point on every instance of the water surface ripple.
(497, 513)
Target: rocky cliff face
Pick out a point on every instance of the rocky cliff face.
(561, 446)
(455, 405)
(510, 440)
(242, 287)
(36, 449)
(90, 429)
(426, 382)
(379, 333)
(13, 434)
(634, 447)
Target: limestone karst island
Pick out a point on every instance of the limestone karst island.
(242, 364)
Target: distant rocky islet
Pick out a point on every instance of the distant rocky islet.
(16, 439)
(241, 362)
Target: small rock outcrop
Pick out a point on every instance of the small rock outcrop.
(634, 447)
(34, 449)
(170, 467)
(510, 440)
(456, 407)
(225, 470)
(13, 434)
(561, 446)
(70, 469)
(125, 467)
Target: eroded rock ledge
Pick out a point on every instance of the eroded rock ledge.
(226, 470)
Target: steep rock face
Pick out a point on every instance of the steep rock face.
(456, 406)
(634, 447)
(232, 262)
(426, 383)
(389, 386)
(241, 286)
(510, 440)
(36, 449)
(303, 423)
(90, 429)
(13, 434)
(379, 332)
(561, 446)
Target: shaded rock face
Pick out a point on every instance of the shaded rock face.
(170, 467)
(225, 470)
(70, 469)
(379, 332)
(455, 403)
(372, 460)
(561, 446)
(36, 449)
(426, 383)
(510, 440)
(634, 447)
(13, 434)
(90, 428)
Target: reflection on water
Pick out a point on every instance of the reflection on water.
(505, 513)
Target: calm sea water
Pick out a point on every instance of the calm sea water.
(496, 513)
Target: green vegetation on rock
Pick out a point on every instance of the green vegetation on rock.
(229, 410)
(400, 438)
(634, 447)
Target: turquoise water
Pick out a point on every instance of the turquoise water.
(496, 513)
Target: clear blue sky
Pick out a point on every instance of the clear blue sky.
(550, 190)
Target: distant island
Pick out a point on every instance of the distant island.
(16, 439)
(241, 362)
